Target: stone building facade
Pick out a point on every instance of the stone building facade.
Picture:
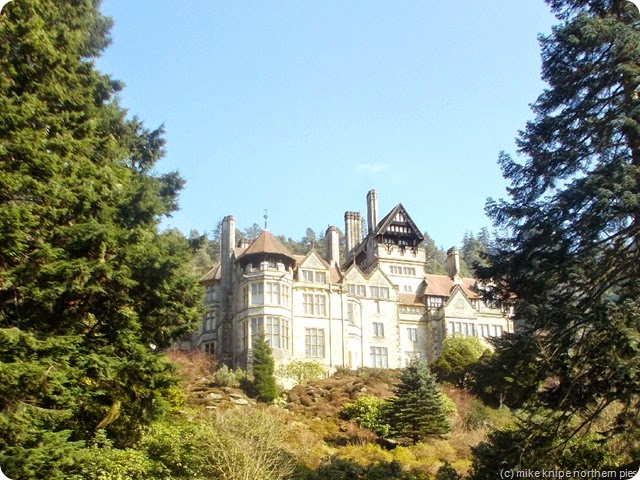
(378, 307)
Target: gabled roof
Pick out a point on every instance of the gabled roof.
(213, 274)
(457, 290)
(310, 257)
(335, 276)
(392, 225)
(398, 215)
(266, 243)
(442, 286)
(409, 299)
(353, 268)
(367, 276)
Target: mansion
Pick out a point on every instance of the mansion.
(378, 307)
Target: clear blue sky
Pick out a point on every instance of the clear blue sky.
(301, 107)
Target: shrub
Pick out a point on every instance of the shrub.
(448, 405)
(302, 372)
(343, 371)
(447, 472)
(178, 447)
(458, 354)
(103, 462)
(366, 454)
(226, 377)
(235, 445)
(192, 365)
(250, 444)
(345, 469)
(337, 469)
(384, 471)
(356, 435)
(375, 375)
(478, 416)
(369, 412)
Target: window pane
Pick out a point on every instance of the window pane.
(308, 304)
(321, 305)
(314, 342)
(257, 294)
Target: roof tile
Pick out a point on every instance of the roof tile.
(267, 243)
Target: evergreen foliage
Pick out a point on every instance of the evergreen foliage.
(436, 257)
(417, 410)
(201, 261)
(569, 250)
(474, 252)
(264, 380)
(494, 379)
(457, 356)
(447, 472)
(87, 282)
(251, 233)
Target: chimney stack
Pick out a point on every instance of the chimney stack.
(353, 230)
(372, 210)
(228, 242)
(332, 242)
(453, 262)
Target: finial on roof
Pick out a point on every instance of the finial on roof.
(266, 217)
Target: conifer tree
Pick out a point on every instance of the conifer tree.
(264, 380)
(436, 257)
(570, 246)
(417, 409)
(88, 285)
(474, 251)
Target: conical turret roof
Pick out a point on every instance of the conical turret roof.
(266, 243)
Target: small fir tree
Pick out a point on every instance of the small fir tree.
(264, 380)
(418, 409)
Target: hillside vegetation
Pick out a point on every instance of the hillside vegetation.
(307, 430)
